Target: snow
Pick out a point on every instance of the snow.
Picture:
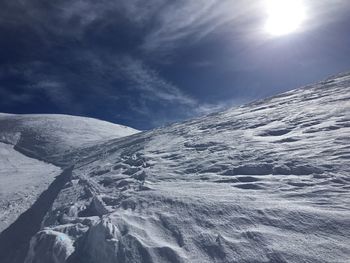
(59, 244)
(265, 182)
(44, 136)
(22, 180)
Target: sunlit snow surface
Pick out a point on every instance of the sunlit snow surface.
(48, 136)
(266, 182)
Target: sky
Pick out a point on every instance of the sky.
(149, 63)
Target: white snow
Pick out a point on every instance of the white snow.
(265, 182)
(22, 180)
(28, 183)
(58, 243)
(48, 135)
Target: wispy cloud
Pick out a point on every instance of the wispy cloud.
(102, 71)
(10, 98)
(145, 79)
(83, 54)
(56, 91)
(190, 21)
(165, 24)
(148, 88)
(34, 79)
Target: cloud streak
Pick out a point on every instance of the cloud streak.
(145, 79)
(191, 21)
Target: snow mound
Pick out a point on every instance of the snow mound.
(59, 245)
(45, 136)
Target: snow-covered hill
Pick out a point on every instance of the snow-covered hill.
(27, 183)
(265, 182)
(46, 136)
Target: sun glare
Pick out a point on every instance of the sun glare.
(284, 16)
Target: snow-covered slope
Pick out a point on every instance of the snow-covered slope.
(47, 135)
(28, 185)
(22, 180)
(265, 182)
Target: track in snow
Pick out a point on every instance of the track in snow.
(14, 241)
(22, 179)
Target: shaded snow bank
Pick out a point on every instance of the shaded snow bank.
(22, 180)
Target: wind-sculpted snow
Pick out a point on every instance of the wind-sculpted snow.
(49, 136)
(265, 182)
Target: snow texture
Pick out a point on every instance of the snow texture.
(265, 182)
(49, 136)
(22, 180)
(27, 181)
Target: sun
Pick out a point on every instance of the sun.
(284, 16)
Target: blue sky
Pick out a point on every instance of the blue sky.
(149, 63)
